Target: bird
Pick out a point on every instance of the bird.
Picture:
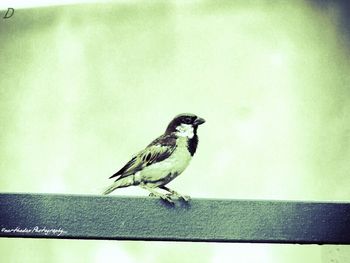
(162, 160)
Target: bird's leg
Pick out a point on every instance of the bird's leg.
(157, 194)
(172, 192)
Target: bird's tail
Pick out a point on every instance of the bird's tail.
(122, 182)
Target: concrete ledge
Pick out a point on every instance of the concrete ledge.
(146, 218)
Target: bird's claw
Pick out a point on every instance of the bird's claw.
(186, 198)
(166, 198)
(169, 197)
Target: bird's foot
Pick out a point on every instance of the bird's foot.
(186, 198)
(167, 198)
(164, 197)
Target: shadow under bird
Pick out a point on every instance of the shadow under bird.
(162, 160)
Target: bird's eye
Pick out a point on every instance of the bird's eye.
(188, 120)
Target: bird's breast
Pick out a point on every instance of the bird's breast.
(170, 167)
(181, 157)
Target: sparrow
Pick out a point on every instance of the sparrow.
(162, 160)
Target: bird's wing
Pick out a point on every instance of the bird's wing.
(157, 151)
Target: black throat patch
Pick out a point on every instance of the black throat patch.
(192, 144)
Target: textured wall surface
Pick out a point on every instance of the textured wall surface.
(84, 87)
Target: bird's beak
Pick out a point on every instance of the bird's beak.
(199, 121)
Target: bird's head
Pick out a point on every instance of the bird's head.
(184, 125)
